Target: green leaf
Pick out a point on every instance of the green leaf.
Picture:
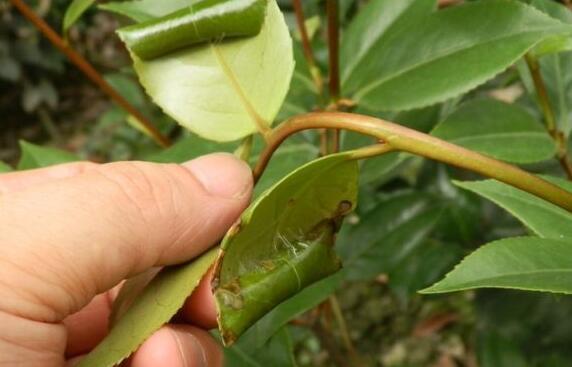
(154, 307)
(203, 22)
(230, 89)
(145, 10)
(558, 43)
(543, 218)
(500, 130)
(75, 11)
(387, 234)
(35, 156)
(283, 242)
(4, 167)
(448, 53)
(285, 160)
(277, 352)
(304, 301)
(526, 263)
(379, 20)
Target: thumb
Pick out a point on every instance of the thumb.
(69, 239)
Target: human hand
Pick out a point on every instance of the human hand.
(69, 234)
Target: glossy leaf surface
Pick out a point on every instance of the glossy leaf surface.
(202, 22)
(500, 130)
(543, 218)
(267, 261)
(526, 263)
(155, 306)
(225, 90)
(447, 53)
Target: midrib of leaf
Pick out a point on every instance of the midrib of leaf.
(446, 53)
(262, 125)
(504, 276)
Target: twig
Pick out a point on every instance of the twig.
(408, 140)
(307, 47)
(82, 64)
(334, 65)
(344, 331)
(549, 117)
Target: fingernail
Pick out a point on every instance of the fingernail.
(222, 174)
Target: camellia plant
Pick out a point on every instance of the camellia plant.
(226, 71)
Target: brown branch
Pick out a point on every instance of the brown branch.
(89, 71)
(549, 116)
(307, 47)
(333, 49)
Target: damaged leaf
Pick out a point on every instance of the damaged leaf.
(283, 243)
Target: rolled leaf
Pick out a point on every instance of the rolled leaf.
(283, 243)
(205, 21)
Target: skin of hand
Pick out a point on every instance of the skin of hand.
(70, 234)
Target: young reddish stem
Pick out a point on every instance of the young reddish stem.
(82, 64)
(334, 64)
(307, 47)
(400, 138)
(549, 117)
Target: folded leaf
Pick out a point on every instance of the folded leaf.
(528, 263)
(283, 242)
(145, 10)
(224, 90)
(204, 21)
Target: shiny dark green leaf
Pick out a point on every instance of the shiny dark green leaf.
(500, 130)
(525, 263)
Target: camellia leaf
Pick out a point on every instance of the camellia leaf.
(75, 11)
(379, 20)
(447, 53)
(283, 242)
(158, 302)
(307, 299)
(543, 218)
(528, 263)
(500, 130)
(225, 90)
(387, 234)
(558, 43)
(34, 156)
(145, 10)
(204, 21)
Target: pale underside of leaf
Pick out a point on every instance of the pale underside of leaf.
(226, 90)
(154, 307)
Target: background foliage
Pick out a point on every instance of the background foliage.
(411, 225)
